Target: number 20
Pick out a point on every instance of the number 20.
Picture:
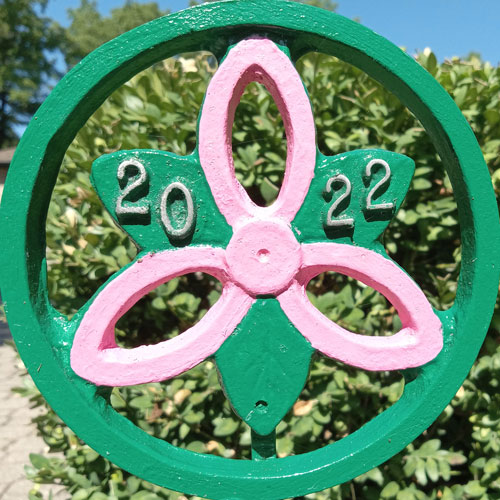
(138, 181)
(140, 178)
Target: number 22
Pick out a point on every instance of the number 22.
(345, 221)
(387, 177)
(370, 205)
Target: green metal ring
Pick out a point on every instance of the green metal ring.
(42, 335)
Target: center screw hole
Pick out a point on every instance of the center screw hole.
(263, 256)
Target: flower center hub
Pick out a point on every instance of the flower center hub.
(263, 256)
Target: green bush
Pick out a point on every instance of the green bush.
(456, 458)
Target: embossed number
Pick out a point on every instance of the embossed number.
(140, 178)
(183, 231)
(387, 176)
(330, 220)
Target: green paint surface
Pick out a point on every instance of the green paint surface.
(263, 366)
(263, 447)
(43, 337)
(162, 169)
(309, 223)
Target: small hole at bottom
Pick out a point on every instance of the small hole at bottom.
(261, 405)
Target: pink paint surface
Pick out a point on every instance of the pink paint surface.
(258, 60)
(95, 355)
(263, 256)
(420, 339)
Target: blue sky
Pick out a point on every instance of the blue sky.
(449, 27)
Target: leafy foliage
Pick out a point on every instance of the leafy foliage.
(89, 30)
(456, 458)
(27, 42)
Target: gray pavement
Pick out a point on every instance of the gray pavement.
(18, 436)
